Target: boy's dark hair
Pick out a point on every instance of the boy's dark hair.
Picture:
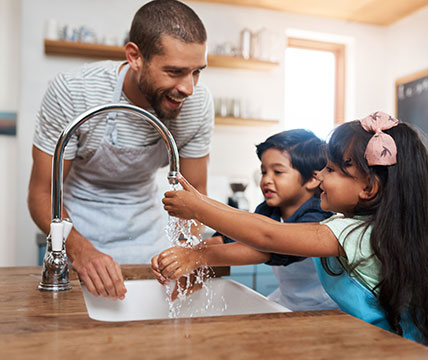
(165, 17)
(398, 215)
(307, 151)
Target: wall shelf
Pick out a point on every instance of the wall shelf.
(220, 120)
(235, 62)
(73, 48)
(101, 51)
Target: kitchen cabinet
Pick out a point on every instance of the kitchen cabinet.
(102, 51)
(257, 277)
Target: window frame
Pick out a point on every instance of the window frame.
(338, 51)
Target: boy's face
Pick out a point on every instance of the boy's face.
(281, 184)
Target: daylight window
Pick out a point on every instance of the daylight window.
(314, 85)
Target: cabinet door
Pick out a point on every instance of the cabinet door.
(266, 281)
(257, 277)
(244, 275)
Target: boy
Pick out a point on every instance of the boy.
(290, 161)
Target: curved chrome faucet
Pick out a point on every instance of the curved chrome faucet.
(55, 263)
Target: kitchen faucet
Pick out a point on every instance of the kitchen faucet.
(55, 273)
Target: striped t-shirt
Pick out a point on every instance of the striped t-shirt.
(74, 92)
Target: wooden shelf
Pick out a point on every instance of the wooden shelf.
(101, 51)
(234, 62)
(220, 120)
(72, 48)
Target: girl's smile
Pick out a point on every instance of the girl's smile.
(341, 192)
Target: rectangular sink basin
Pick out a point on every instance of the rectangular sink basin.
(147, 300)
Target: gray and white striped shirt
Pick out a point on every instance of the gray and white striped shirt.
(76, 91)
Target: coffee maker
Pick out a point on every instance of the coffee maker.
(238, 199)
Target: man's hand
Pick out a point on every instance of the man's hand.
(100, 273)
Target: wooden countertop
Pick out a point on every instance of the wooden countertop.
(37, 325)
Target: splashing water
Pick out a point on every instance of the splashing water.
(179, 234)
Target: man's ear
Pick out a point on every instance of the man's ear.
(313, 182)
(369, 192)
(133, 56)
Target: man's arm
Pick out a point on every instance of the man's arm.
(195, 170)
(100, 273)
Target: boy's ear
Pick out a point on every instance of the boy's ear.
(313, 182)
(369, 192)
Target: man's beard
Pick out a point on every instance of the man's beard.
(154, 98)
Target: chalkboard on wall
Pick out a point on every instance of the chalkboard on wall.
(412, 99)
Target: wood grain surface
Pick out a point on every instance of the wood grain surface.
(41, 325)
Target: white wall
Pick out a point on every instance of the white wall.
(9, 94)
(407, 50)
(233, 147)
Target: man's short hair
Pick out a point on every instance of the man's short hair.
(165, 17)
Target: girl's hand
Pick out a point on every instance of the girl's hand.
(178, 261)
(155, 271)
(186, 285)
(181, 203)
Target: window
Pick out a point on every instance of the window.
(314, 85)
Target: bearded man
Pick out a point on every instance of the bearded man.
(111, 160)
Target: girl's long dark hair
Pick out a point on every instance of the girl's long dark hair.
(399, 218)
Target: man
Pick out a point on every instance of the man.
(110, 162)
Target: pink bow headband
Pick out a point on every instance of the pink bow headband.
(381, 148)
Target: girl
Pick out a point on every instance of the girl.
(375, 252)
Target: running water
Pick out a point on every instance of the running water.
(179, 234)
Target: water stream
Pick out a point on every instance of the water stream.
(179, 234)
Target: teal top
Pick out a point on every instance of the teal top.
(354, 237)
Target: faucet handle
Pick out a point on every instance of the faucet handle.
(55, 272)
(57, 235)
(68, 225)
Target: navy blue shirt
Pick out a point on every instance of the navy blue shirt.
(310, 211)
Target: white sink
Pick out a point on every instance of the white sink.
(147, 300)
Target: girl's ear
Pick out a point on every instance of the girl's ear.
(313, 182)
(369, 192)
(133, 56)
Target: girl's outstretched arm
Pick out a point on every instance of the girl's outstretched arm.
(257, 231)
(175, 262)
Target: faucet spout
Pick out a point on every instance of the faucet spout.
(61, 262)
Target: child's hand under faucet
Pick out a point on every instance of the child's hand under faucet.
(177, 261)
(184, 284)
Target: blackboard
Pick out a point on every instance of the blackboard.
(412, 99)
